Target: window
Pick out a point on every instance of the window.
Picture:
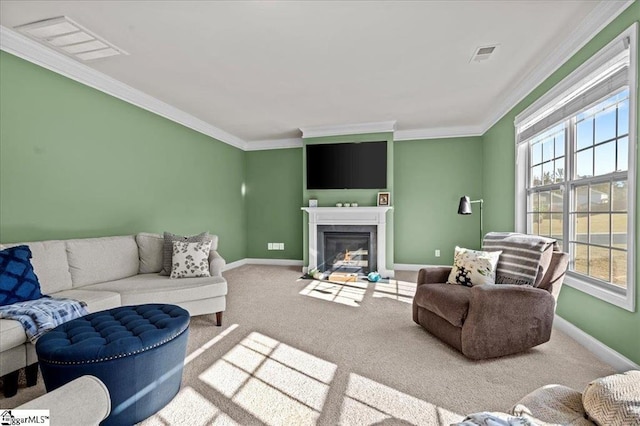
(576, 177)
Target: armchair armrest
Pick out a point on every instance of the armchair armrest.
(216, 263)
(433, 275)
(83, 401)
(505, 319)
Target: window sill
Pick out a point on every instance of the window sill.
(624, 301)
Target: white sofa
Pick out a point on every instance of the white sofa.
(105, 273)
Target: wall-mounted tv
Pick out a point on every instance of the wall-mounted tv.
(347, 166)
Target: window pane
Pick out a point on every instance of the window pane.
(584, 163)
(623, 154)
(599, 197)
(556, 226)
(580, 259)
(599, 266)
(605, 161)
(584, 133)
(556, 201)
(545, 201)
(535, 226)
(547, 172)
(533, 202)
(619, 266)
(606, 125)
(581, 198)
(619, 196)
(545, 224)
(599, 230)
(623, 118)
(536, 176)
(536, 153)
(559, 169)
(547, 149)
(560, 144)
(581, 227)
(619, 230)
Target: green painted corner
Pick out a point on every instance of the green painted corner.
(615, 327)
(75, 162)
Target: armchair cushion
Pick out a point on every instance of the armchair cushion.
(450, 302)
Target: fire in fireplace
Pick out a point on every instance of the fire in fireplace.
(347, 251)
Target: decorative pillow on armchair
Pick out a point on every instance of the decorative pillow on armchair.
(471, 267)
(18, 282)
(190, 259)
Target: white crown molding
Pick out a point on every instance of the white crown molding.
(601, 16)
(348, 129)
(437, 132)
(32, 51)
(274, 144)
(618, 361)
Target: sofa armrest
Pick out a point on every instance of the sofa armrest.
(83, 401)
(216, 263)
(505, 319)
(433, 275)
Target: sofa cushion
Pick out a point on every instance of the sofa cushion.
(95, 300)
(49, 260)
(154, 288)
(95, 260)
(167, 251)
(18, 282)
(190, 260)
(450, 302)
(11, 334)
(614, 400)
(150, 252)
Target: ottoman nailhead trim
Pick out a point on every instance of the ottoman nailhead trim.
(117, 356)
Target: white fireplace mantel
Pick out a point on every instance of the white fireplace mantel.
(349, 216)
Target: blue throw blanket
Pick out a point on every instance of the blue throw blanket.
(41, 315)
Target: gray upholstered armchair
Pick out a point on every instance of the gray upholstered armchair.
(488, 321)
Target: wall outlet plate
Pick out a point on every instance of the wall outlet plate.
(437, 253)
(269, 246)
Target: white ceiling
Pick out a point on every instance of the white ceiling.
(261, 70)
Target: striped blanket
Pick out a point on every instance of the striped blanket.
(520, 258)
(41, 315)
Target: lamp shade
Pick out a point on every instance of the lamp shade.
(465, 205)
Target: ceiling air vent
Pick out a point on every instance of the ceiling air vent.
(483, 53)
(70, 38)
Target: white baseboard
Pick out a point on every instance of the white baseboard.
(618, 361)
(255, 261)
(411, 266)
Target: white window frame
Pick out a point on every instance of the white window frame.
(539, 108)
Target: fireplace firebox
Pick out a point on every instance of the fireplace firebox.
(348, 249)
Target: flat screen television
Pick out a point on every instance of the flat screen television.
(347, 166)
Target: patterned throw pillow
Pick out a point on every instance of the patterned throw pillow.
(614, 400)
(18, 282)
(471, 267)
(167, 252)
(190, 259)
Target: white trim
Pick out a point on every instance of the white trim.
(273, 144)
(618, 361)
(348, 129)
(438, 133)
(413, 266)
(233, 265)
(273, 262)
(32, 51)
(601, 16)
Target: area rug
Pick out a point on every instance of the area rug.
(293, 351)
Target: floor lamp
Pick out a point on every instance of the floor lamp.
(465, 208)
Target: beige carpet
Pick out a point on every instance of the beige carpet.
(294, 352)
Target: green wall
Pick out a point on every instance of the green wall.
(615, 327)
(274, 198)
(364, 197)
(430, 177)
(75, 162)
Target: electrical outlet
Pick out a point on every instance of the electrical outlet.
(281, 246)
(437, 253)
(270, 246)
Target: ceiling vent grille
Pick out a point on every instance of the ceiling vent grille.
(483, 53)
(70, 38)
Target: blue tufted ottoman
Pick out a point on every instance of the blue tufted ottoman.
(137, 351)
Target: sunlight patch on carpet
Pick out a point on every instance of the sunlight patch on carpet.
(368, 402)
(350, 294)
(396, 290)
(189, 408)
(193, 355)
(276, 383)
